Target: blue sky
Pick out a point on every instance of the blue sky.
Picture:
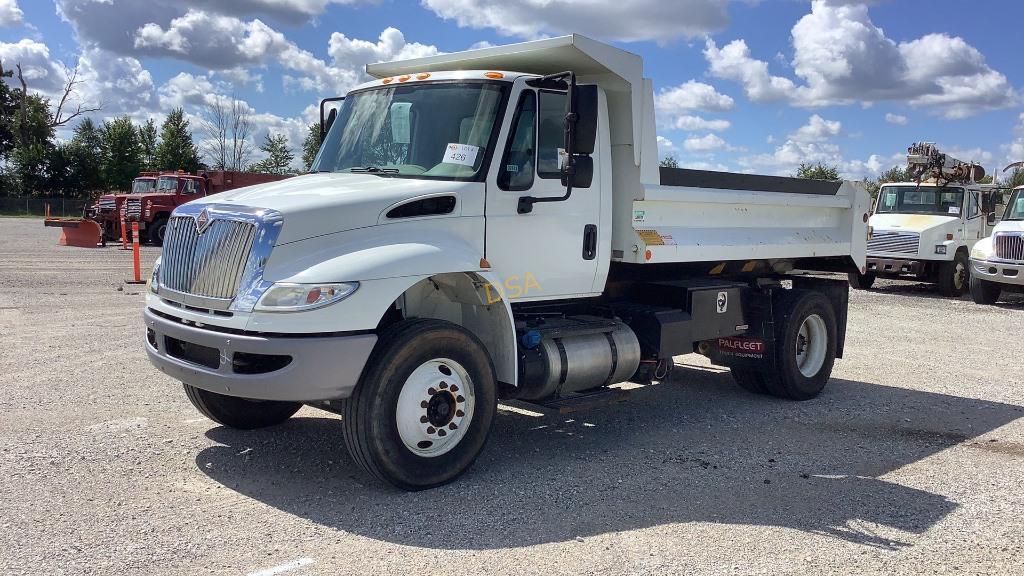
(742, 85)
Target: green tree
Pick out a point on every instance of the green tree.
(894, 174)
(310, 146)
(8, 108)
(87, 157)
(817, 171)
(279, 156)
(147, 144)
(1016, 177)
(122, 154)
(33, 137)
(669, 162)
(176, 150)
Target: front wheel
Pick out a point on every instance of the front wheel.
(984, 292)
(424, 406)
(953, 276)
(157, 230)
(241, 413)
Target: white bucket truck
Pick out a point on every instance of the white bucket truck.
(997, 262)
(925, 229)
(491, 225)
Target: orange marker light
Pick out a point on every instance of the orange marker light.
(423, 76)
(404, 78)
(647, 255)
(387, 80)
(495, 75)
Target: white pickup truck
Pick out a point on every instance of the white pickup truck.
(997, 262)
(487, 225)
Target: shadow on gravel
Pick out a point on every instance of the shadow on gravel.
(700, 452)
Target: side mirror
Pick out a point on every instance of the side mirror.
(331, 117)
(582, 175)
(991, 219)
(586, 119)
(326, 125)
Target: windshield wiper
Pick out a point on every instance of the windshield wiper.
(374, 170)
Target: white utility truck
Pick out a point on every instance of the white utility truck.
(489, 225)
(997, 262)
(925, 229)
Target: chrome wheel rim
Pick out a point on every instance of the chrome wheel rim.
(811, 345)
(959, 275)
(435, 407)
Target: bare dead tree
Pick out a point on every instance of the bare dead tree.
(62, 116)
(226, 128)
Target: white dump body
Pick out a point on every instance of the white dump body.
(700, 224)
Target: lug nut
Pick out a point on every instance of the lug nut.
(443, 385)
(431, 391)
(460, 413)
(455, 388)
(452, 426)
(423, 419)
(459, 398)
(441, 432)
(431, 430)
(423, 404)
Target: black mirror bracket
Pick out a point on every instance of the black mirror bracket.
(323, 103)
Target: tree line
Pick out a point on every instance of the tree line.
(108, 155)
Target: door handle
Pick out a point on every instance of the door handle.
(589, 241)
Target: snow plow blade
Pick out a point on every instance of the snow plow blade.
(80, 232)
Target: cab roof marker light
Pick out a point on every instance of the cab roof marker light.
(387, 80)
(423, 76)
(404, 78)
(495, 75)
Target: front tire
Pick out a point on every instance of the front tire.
(861, 281)
(241, 413)
(985, 292)
(156, 232)
(953, 276)
(805, 345)
(424, 406)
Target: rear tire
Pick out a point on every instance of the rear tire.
(241, 413)
(953, 276)
(861, 281)
(405, 422)
(985, 292)
(805, 345)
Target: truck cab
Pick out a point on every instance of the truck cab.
(997, 262)
(494, 224)
(152, 208)
(106, 211)
(925, 231)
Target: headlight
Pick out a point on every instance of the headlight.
(287, 297)
(940, 248)
(979, 254)
(154, 279)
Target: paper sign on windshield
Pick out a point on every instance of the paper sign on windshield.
(954, 209)
(462, 154)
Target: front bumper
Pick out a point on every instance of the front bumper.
(999, 272)
(885, 266)
(318, 368)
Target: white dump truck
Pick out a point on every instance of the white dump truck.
(997, 262)
(493, 225)
(924, 229)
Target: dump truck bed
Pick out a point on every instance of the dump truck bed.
(705, 216)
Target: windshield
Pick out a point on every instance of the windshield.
(1015, 207)
(923, 200)
(143, 185)
(428, 130)
(167, 184)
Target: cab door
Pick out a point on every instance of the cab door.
(974, 219)
(551, 251)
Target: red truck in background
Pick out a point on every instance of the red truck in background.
(106, 211)
(152, 208)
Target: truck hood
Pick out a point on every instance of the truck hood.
(910, 222)
(318, 204)
(1009, 226)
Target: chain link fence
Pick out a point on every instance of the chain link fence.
(61, 207)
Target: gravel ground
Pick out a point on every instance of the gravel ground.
(911, 462)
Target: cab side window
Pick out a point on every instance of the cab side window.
(551, 134)
(972, 204)
(517, 165)
(189, 187)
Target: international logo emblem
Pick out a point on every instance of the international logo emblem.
(202, 221)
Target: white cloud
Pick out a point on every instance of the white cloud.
(733, 62)
(896, 119)
(118, 83)
(10, 14)
(817, 129)
(41, 74)
(692, 95)
(842, 57)
(211, 40)
(666, 147)
(705, 143)
(624, 21)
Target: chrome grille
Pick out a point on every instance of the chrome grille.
(132, 209)
(1009, 247)
(208, 264)
(106, 204)
(894, 243)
